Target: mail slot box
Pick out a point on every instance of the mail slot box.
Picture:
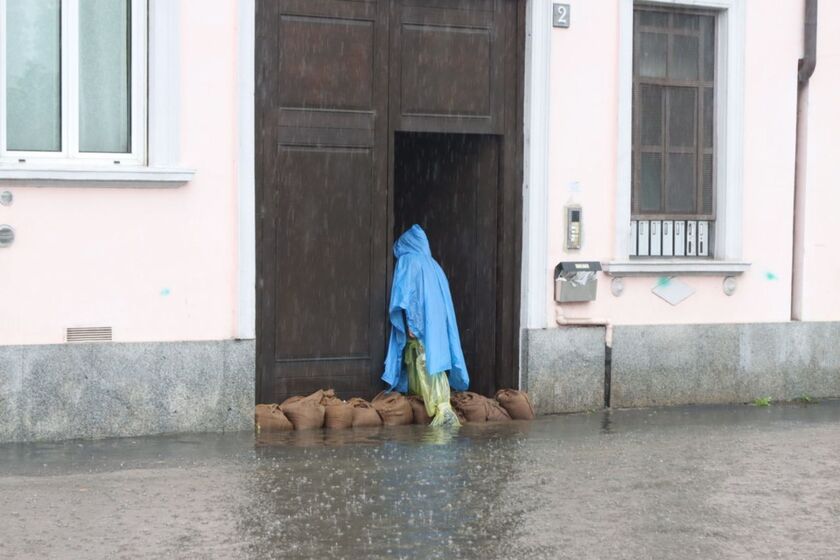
(576, 281)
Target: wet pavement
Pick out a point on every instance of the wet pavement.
(699, 482)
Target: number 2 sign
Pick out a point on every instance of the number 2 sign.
(561, 15)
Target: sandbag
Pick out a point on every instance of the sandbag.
(317, 397)
(291, 400)
(461, 418)
(418, 410)
(495, 412)
(364, 415)
(269, 418)
(328, 397)
(394, 408)
(305, 413)
(338, 414)
(471, 405)
(516, 403)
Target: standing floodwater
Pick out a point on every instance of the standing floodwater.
(720, 482)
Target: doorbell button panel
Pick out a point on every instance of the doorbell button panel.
(574, 227)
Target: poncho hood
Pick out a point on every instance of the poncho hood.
(413, 242)
(420, 296)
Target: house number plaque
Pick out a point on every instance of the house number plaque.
(561, 15)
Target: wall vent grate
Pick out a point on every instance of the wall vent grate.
(88, 334)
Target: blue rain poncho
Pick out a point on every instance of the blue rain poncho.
(420, 295)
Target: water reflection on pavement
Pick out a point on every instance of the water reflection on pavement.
(695, 482)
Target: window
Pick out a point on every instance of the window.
(73, 82)
(673, 132)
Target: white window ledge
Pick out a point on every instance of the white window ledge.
(98, 176)
(675, 267)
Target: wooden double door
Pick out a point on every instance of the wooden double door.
(373, 115)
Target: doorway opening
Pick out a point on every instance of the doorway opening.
(448, 184)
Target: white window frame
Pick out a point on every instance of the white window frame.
(161, 165)
(70, 153)
(729, 144)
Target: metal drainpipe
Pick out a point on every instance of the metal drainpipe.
(807, 65)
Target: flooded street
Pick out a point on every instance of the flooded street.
(711, 482)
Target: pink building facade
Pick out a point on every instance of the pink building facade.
(128, 293)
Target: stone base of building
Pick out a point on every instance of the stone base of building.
(564, 369)
(98, 390)
(68, 391)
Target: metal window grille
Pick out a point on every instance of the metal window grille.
(673, 165)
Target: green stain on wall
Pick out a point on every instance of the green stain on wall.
(771, 276)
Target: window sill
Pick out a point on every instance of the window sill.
(97, 176)
(684, 267)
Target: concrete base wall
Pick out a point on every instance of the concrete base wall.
(689, 364)
(67, 391)
(563, 369)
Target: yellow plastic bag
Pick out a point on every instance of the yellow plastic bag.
(433, 388)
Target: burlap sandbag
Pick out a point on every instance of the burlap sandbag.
(394, 408)
(316, 397)
(516, 403)
(328, 397)
(305, 413)
(461, 418)
(495, 412)
(269, 418)
(471, 405)
(290, 400)
(418, 409)
(364, 415)
(338, 414)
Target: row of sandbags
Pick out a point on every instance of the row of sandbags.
(322, 409)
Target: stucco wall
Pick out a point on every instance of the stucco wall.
(821, 265)
(160, 264)
(155, 264)
(583, 166)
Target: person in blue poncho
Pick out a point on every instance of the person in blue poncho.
(424, 343)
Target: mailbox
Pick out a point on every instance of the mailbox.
(576, 281)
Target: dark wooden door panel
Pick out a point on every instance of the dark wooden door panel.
(329, 61)
(467, 5)
(448, 65)
(323, 253)
(322, 120)
(427, 59)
